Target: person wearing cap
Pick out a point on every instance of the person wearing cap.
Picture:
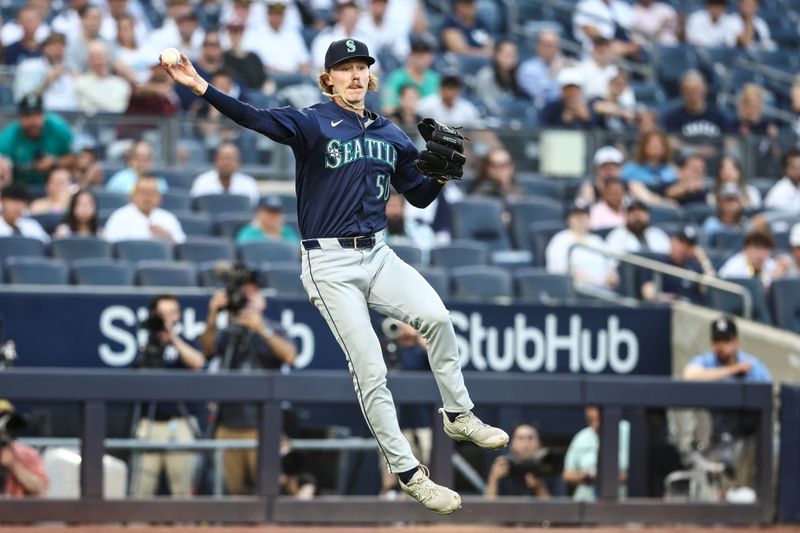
(785, 194)
(610, 19)
(712, 26)
(47, 75)
(278, 35)
(691, 185)
(225, 177)
(684, 252)
(448, 106)
(695, 115)
(570, 111)
(730, 213)
(463, 32)
(755, 260)
(609, 211)
(417, 71)
(348, 158)
(586, 267)
(607, 162)
(637, 235)
(21, 467)
(142, 218)
(268, 224)
(347, 14)
(14, 199)
(36, 141)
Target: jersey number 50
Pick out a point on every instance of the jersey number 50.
(383, 186)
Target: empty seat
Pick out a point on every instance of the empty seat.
(16, 246)
(539, 285)
(785, 294)
(36, 270)
(72, 248)
(437, 277)
(526, 211)
(176, 179)
(284, 278)
(728, 240)
(102, 272)
(480, 219)
(223, 203)
(697, 213)
(166, 274)
(143, 250)
(540, 234)
(460, 253)
(49, 221)
(229, 224)
(204, 249)
(195, 224)
(256, 253)
(408, 253)
(107, 200)
(481, 282)
(733, 303)
(176, 201)
(512, 259)
(662, 214)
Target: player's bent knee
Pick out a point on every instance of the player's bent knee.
(436, 317)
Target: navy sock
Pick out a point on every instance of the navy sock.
(406, 476)
(451, 416)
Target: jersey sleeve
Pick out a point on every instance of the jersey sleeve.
(406, 176)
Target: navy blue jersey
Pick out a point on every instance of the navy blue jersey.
(344, 163)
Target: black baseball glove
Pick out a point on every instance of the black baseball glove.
(443, 159)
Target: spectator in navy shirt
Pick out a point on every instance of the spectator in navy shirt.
(690, 187)
(464, 33)
(684, 252)
(695, 116)
(29, 19)
(571, 111)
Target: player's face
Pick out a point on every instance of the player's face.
(350, 79)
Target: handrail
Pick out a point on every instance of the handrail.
(669, 270)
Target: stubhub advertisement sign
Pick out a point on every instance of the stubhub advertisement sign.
(83, 329)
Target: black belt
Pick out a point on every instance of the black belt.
(361, 242)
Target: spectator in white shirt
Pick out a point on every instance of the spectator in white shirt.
(637, 235)
(755, 260)
(449, 107)
(48, 76)
(611, 19)
(279, 45)
(597, 70)
(225, 176)
(14, 200)
(749, 30)
(142, 218)
(179, 29)
(586, 267)
(115, 10)
(98, 90)
(68, 22)
(654, 23)
(385, 34)
(346, 27)
(711, 26)
(785, 194)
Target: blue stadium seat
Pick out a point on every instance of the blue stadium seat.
(49, 221)
(671, 62)
(16, 246)
(289, 202)
(195, 224)
(648, 93)
(176, 202)
(697, 213)
(208, 273)
(177, 179)
(101, 272)
(72, 248)
(229, 224)
(527, 210)
(480, 219)
(256, 253)
(540, 234)
(166, 274)
(733, 304)
(283, 277)
(481, 282)
(437, 277)
(223, 203)
(408, 253)
(203, 249)
(460, 253)
(143, 250)
(785, 296)
(728, 240)
(511, 260)
(536, 284)
(107, 200)
(36, 270)
(541, 187)
(662, 213)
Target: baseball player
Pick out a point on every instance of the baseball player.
(348, 158)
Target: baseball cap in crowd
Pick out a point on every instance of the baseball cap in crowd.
(271, 203)
(450, 80)
(729, 190)
(54, 37)
(608, 154)
(570, 76)
(421, 43)
(30, 104)
(346, 49)
(277, 4)
(15, 191)
(794, 235)
(578, 207)
(723, 329)
(638, 205)
(686, 234)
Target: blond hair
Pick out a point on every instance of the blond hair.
(323, 80)
(751, 91)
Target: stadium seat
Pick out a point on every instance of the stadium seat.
(176, 202)
(526, 211)
(481, 282)
(559, 189)
(107, 200)
(256, 253)
(670, 64)
(72, 248)
(648, 93)
(101, 272)
(630, 276)
(480, 219)
(437, 278)
(283, 277)
(785, 295)
(460, 253)
(511, 260)
(229, 224)
(732, 303)
(195, 224)
(536, 284)
(176, 178)
(540, 234)
(223, 203)
(662, 213)
(166, 274)
(408, 253)
(16, 246)
(36, 270)
(143, 250)
(203, 249)
(728, 240)
(49, 221)
(697, 213)
(289, 202)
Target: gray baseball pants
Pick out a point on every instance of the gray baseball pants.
(344, 284)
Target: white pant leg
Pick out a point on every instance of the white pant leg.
(399, 291)
(336, 283)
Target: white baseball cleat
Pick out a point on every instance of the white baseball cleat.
(469, 427)
(436, 498)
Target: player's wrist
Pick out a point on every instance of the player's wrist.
(200, 86)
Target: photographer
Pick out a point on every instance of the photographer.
(520, 472)
(165, 422)
(248, 342)
(21, 468)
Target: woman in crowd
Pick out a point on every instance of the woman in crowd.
(730, 171)
(58, 187)
(81, 218)
(651, 169)
(497, 82)
(496, 176)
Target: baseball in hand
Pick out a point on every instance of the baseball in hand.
(170, 56)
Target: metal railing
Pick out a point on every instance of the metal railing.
(94, 389)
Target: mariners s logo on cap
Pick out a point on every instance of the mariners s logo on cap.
(351, 46)
(347, 50)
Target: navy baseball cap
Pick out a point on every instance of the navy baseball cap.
(686, 234)
(723, 329)
(15, 191)
(30, 104)
(345, 50)
(270, 203)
